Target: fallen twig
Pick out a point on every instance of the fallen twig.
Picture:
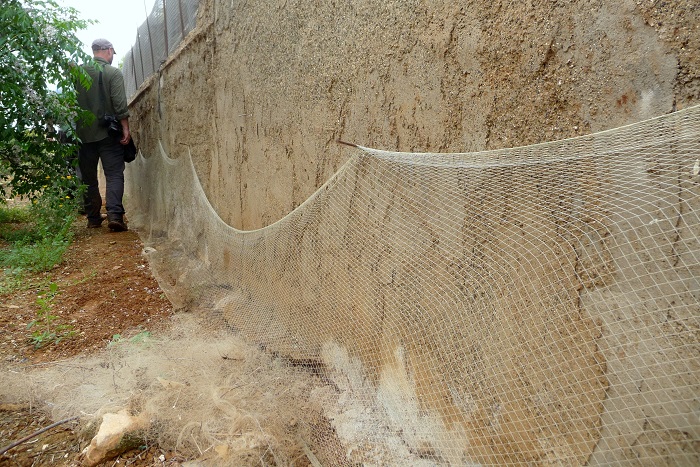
(36, 433)
(309, 453)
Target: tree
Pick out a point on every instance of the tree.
(38, 56)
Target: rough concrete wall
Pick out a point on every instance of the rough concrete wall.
(264, 90)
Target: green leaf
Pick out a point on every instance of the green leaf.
(38, 54)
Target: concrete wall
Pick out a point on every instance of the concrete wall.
(262, 90)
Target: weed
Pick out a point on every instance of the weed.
(13, 215)
(46, 331)
(34, 238)
(14, 223)
(39, 256)
(142, 338)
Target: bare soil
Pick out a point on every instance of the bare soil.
(105, 289)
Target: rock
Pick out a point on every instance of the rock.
(118, 433)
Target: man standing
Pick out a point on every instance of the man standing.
(106, 96)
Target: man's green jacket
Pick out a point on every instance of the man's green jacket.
(89, 99)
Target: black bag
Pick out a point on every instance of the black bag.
(130, 151)
(114, 128)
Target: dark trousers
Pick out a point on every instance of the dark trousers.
(112, 155)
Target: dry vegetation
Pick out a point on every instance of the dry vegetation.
(105, 288)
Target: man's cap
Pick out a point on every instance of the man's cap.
(102, 44)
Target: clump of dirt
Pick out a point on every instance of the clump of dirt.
(105, 292)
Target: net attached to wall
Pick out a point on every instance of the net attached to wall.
(534, 305)
(160, 35)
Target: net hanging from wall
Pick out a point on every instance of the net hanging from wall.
(532, 305)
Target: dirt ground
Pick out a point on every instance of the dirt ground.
(105, 289)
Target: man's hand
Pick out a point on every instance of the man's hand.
(126, 135)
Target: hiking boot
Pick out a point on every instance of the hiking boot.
(94, 225)
(117, 225)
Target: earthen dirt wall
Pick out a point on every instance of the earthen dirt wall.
(261, 91)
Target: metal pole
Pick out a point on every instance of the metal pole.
(133, 64)
(165, 30)
(143, 69)
(150, 43)
(182, 22)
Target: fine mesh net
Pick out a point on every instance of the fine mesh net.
(159, 36)
(532, 305)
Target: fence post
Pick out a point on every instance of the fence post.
(182, 22)
(150, 43)
(133, 64)
(143, 69)
(165, 30)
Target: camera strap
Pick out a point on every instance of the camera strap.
(103, 99)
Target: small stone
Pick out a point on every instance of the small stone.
(117, 434)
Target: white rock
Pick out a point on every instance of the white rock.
(108, 439)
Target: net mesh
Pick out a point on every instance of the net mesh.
(532, 305)
(159, 36)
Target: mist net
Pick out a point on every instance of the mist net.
(533, 305)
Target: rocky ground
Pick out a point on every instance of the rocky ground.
(105, 291)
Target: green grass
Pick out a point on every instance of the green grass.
(13, 223)
(37, 256)
(13, 214)
(33, 239)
